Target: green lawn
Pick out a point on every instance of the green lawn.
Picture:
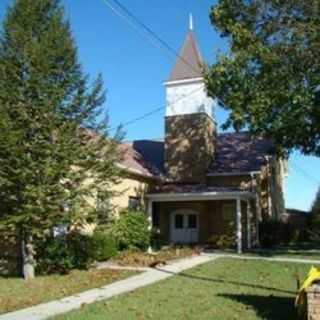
(224, 289)
(16, 293)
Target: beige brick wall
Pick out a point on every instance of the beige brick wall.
(130, 186)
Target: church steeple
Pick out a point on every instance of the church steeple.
(189, 62)
(190, 131)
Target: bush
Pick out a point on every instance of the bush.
(224, 241)
(131, 231)
(73, 251)
(269, 233)
(272, 233)
(64, 253)
(105, 246)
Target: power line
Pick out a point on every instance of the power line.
(133, 25)
(149, 31)
(306, 174)
(154, 111)
(150, 35)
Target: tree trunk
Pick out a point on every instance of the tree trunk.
(28, 260)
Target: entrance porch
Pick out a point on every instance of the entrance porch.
(195, 218)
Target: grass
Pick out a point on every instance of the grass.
(16, 293)
(221, 290)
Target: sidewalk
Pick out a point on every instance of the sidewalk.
(51, 309)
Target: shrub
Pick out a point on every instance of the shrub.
(224, 241)
(269, 233)
(64, 253)
(104, 246)
(131, 231)
(272, 233)
(73, 251)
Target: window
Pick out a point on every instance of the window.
(192, 221)
(134, 203)
(178, 221)
(228, 212)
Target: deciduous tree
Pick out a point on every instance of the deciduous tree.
(270, 81)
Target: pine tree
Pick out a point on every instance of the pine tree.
(55, 153)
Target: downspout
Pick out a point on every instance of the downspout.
(269, 187)
(255, 190)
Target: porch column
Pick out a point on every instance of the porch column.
(249, 216)
(149, 213)
(258, 217)
(239, 227)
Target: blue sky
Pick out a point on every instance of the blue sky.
(134, 70)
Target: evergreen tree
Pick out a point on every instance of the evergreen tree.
(55, 153)
(270, 80)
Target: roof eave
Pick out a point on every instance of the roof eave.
(139, 173)
(198, 196)
(230, 174)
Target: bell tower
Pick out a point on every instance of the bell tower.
(190, 131)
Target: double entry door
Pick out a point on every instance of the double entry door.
(184, 226)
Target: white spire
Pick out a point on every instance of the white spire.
(190, 22)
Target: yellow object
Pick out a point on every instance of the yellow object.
(301, 300)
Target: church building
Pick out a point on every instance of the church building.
(198, 185)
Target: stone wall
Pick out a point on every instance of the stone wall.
(313, 300)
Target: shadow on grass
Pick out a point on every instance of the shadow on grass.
(266, 307)
(236, 283)
(291, 254)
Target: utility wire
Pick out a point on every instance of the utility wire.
(154, 111)
(306, 174)
(149, 31)
(143, 30)
(134, 26)
(159, 43)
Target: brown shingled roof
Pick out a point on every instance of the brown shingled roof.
(235, 153)
(240, 152)
(189, 65)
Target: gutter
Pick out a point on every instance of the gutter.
(232, 174)
(194, 196)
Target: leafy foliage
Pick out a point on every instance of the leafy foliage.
(105, 247)
(270, 80)
(74, 251)
(314, 220)
(274, 233)
(131, 231)
(64, 253)
(55, 152)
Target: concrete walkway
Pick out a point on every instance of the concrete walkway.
(46, 310)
